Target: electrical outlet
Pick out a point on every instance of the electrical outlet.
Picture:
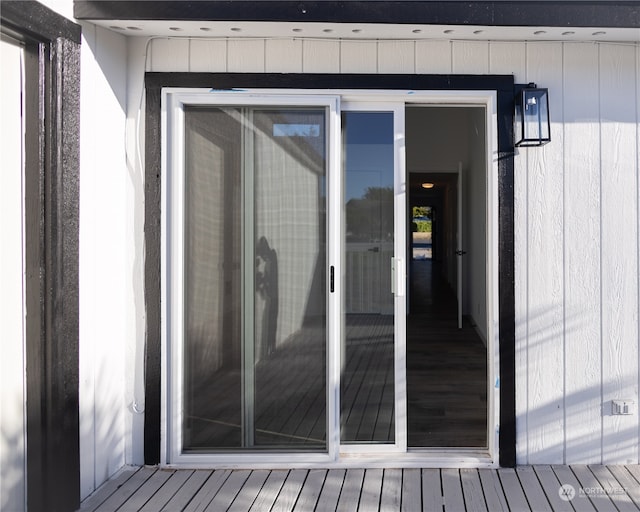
(624, 407)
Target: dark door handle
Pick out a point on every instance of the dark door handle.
(461, 253)
(374, 249)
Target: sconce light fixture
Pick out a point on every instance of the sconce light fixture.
(428, 185)
(532, 126)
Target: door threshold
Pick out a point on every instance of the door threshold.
(423, 458)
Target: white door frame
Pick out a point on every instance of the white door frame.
(173, 99)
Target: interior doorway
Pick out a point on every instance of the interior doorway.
(446, 324)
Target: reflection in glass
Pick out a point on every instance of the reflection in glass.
(367, 382)
(254, 287)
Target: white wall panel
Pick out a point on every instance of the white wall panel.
(320, 56)
(576, 220)
(582, 262)
(134, 257)
(246, 56)
(208, 56)
(544, 269)
(433, 57)
(169, 54)
(396, 57)
(283, 56)
(104, 278)
(12, 300)
(470, 57)
(619, 192)
(359, 57)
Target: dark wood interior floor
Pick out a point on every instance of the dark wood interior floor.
(446, 367)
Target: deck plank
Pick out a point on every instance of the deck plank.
(146, 491)
(411, 490)
(431, 491)
(472, 491)
(207, 492)
(551, 487)
(170, 487)
(526, 488)
(587, 480)
(566, 477)
(102, 493)
(311, 490)
(614, 489)
(391, 490)
(512, 489)
(250, 490)
(627, 482)
(350, 495)
(328, 499)
(126, 490)
(493, 492)
(452, 490)
(290, 491)
(270, 491)
(371, 490)
(532, 489)
(186, 493)
(229, 490)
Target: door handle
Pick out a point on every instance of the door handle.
(397, 277)
(461, 253)
(374, 249)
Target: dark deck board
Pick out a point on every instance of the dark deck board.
(527, 488)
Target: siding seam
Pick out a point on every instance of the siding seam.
(601, 199)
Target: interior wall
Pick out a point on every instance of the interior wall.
(438, 138)
(475, 222)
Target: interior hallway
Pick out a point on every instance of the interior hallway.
(446, 367)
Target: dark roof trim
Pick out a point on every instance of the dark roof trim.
(525, 13)
(27, 17)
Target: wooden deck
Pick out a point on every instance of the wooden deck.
(535, 488)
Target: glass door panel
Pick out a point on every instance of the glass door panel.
(254, 337)
(368, 387)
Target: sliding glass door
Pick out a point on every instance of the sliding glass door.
(284, 231)
(248, 244)
(372, 412)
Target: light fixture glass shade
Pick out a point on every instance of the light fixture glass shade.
(428, 185)
(532, 117)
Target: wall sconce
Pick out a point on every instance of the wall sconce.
(532, 126)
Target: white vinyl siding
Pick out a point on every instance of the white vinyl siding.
(576, 218)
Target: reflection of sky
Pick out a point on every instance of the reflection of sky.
(369, 151)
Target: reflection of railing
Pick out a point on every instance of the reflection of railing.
(368, 278)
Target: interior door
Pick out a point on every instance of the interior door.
(372, 415)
